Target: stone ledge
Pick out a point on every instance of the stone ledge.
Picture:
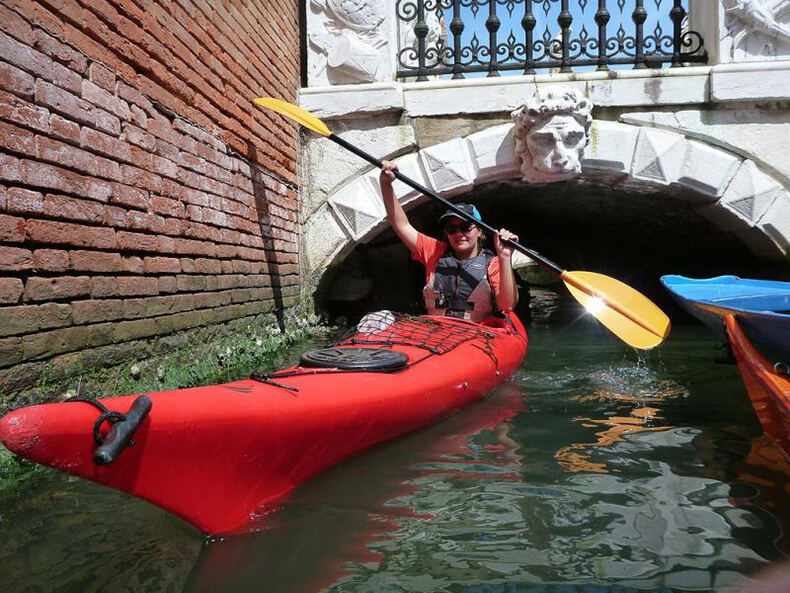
(352, 100)
(724, 83)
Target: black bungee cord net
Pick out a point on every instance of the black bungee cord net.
(387, 329)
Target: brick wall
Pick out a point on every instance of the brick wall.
(141, 192)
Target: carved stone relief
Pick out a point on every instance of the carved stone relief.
(757, 29)
(348, 42)
(551, 132)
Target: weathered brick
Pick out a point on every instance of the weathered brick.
(167, 206)
(114, 216)
(161, 265)
(55, 315)
(59, 51)
(51, 260)
(64, 287)
(47, 344)
(166, 244)
(139, 137)
(145, 221)
(25, 57)
(132, 265)
(64, 129)
(82, 160)
(14, 259)
(100, 334)
(38, 174)
(109, 102)
(129, 196)
(12, 229)
(66, 79)
(11, 290)
(17, 140)
(96, 310)
(136, 241)
(63, 102)
(168, 284)
(190, 283)
(135, 285)
(134, 97)
(10, 351)
(64, 233)
(104, 144)
(58, 206)
(19, 320)
(180, 321)
(138, 117)
(9, 168)
(22, 113)
(95, 261)
(106, 122)
(139, 178)
(134, 330)
(102, 76)
(103, 287)
(25, 201)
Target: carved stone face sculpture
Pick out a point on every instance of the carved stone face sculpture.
(556, 145)
(551, 133)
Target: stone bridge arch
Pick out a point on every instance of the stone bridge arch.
(735, 192)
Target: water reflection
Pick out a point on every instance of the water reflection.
(334, 523)
(596, 469)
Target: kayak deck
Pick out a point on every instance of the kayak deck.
(762, 306)
(224, 456)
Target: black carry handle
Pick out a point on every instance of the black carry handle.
(121, 432)
(551, 266)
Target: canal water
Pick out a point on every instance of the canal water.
(597, 469)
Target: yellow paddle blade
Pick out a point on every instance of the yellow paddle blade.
(628, 314)
(302, 116)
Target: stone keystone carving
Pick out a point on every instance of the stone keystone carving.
(348, 41)
(551, 133)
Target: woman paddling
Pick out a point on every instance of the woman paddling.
(463, 279)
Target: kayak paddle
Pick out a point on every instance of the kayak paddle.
(628, 314)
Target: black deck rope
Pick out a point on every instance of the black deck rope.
(266, 378)
(105, 416)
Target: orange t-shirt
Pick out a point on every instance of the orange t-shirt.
(428, 252)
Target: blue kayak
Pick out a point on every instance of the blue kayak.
(761, 306)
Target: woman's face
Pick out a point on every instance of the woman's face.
(461, 235)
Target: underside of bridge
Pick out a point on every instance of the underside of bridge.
(631, 232)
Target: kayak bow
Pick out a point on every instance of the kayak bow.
(223, 457)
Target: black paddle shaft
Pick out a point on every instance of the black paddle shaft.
(549, 265)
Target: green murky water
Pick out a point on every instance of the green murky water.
(595, 470)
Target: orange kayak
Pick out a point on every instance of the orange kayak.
(768, 386)
(222, 457)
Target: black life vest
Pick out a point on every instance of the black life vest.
(460, 287)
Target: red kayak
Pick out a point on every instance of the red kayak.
(768, 386)
(223, 457)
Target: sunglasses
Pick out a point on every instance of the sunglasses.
(464, 227)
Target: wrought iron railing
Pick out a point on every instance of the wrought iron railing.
(442, 37)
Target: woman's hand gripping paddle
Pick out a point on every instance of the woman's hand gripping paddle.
(628, 314)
